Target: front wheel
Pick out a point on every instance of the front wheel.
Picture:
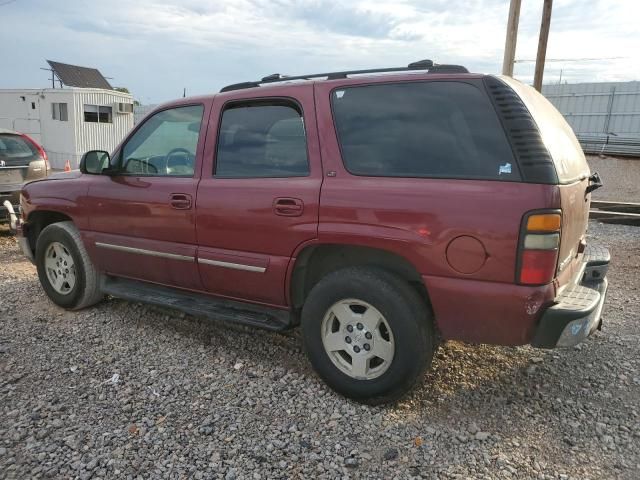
(66, 273)
(367, 333)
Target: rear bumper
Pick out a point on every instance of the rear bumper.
(577, 310)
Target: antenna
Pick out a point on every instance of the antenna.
(53, 77)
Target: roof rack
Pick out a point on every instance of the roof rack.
(427, 65)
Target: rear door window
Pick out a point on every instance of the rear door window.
(262, 139)
(421, 129)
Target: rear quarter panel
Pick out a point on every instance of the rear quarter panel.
(418, 217)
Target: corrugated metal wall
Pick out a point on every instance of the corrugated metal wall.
(100, 136)
(141, 111)
(604, 115)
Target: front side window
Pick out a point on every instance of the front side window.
(262, 139)
(59, 112)
(421, 129)
(98, 114)
(165, 144)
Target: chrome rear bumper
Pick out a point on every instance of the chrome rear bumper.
(577, 312)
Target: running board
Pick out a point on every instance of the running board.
(198, 304)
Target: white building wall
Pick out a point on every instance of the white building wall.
(65, 140)
(56, 136)
(20, 111)
(100, 136)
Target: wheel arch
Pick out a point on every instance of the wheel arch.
(316, 261)
(38, 220)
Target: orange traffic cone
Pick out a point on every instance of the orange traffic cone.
(67, 166)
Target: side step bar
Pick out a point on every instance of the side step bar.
(198, 304)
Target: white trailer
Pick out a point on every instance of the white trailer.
(68, 121)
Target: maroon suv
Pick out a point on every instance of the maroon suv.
(383, 211)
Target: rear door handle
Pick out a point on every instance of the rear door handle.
(180, 201)
(288, 207)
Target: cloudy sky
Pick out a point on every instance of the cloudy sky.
(157, 47)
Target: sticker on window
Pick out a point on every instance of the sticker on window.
(339, 93)
(506, 169)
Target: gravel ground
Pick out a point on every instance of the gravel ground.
(620, 176)
(128, 391)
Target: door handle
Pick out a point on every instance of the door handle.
(180, 201)
(288, 207)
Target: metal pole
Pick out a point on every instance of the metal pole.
(542, 44)
(607, 119)
(511, 39)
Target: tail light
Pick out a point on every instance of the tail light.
(538, 248)
(40, 150)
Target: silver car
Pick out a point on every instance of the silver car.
(21, 160)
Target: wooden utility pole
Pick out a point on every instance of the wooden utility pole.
(512, 36)
(542, 44)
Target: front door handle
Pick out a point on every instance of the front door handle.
(288, 207)
(180, 201)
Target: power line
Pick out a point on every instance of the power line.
(570, 59)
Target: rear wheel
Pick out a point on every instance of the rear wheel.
(367, 333)
(66, 273)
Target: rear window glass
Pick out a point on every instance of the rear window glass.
(14, 147)
(556, 133)
(421, 129)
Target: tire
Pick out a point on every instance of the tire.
(408, 333)
(59, 243)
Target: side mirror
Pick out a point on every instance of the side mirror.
(94, 162)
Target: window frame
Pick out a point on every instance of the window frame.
(97, 112)
(280, 99)
(480, 89)
(56, 107)
(120, 153)
(110, 113)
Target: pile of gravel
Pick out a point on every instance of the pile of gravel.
(130, 391)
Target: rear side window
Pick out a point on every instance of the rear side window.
(14, 147)
(262, 139)
(421, 129)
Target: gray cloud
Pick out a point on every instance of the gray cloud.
(157, 47)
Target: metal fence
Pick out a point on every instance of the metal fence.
(604, 115)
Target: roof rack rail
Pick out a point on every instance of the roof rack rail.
(419, 65)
